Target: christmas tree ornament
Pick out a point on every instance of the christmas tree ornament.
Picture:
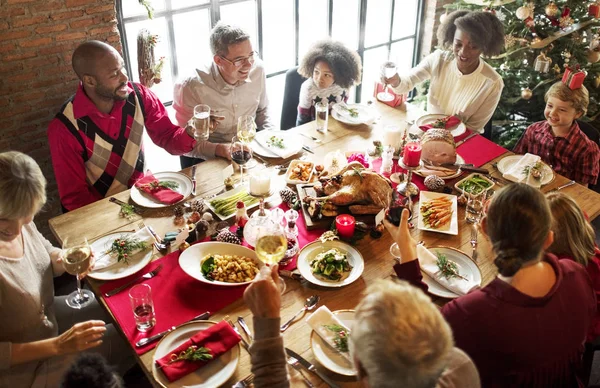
(566, 56)
(542, 63)
(566, 22)
(526, 94)
(596, 81)
(593, 56)
(573, 77)
(536, 40)
(530, 23)
(552, 10)
(524, 12)
(490, 10)
(509, 41)
(594, 10)
(556, 69)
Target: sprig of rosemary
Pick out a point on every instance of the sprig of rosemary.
(340, 339)
(127, 210)
(193, 354)
(165, 184)
(448, 268)
(275, 141)
(358, 171)
(124, 245)
(537, 166)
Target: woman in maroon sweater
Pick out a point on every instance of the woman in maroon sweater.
(528, 326)
(575, 240)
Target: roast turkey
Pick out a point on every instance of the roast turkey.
(365, 191)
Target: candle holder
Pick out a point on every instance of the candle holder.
(408, 188)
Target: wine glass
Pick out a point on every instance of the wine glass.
(76, 259)
(246, 128)
(388, 70)
(241, 153)
(271, 245)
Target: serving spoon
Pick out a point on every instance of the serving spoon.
(310, 304)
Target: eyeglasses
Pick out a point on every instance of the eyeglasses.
(240, 62)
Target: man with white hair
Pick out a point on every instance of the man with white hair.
(404, 340)
(234, 84)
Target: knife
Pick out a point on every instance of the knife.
(308, 149)
(466, 167)
(194, 180)
(156, 337)
(311, 367)
(466, 138)
(119, 202)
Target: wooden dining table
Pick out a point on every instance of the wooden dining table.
(102, 217)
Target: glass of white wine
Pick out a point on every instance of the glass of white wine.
(388, 70)
(246, 128)
(271, 245)
(76, 259)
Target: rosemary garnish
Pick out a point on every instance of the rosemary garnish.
(448, 268)
(358, 171)
(536, 170)
(275, 141)
(193, 353)
(341, 337)
(127, 210)
(440, 123)
(165, 184)
(124, 245)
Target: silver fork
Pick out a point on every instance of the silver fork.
(245, 382)
(315, 139)
(157, 241)
(146, 276)
(245, 343)
(296, 365)
(474, 233)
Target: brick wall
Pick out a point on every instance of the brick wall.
(37, 39)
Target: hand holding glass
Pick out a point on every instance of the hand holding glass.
(76, 260)
(246, 128)
(271, 245)
(240, 153)
(201, 122)
(388, 70)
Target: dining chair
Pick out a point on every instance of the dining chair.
(594, 135)
(291, 97)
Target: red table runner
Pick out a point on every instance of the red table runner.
(177, 298)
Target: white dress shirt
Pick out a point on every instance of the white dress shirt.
(248, 97)
(471, 97)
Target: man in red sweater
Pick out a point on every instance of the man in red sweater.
(96, 138)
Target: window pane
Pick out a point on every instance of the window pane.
(193, 50)
(278, 34)
(242, 15)
(374, 58)
(134, 8)
(275, 88)
(346, 22)
(313, 24)
(405, 18)
(179, 4)
(402, 54)
(378, 22)
(157, 26)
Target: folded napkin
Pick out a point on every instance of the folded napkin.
(516, 173)
(149, 185)
(288, 149)
(320, 320)
(428, 264)
(105, 260)
(218, 339)
(451, 122)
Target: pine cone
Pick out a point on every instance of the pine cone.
(197, 205)
(434, 183)
(228, 237)
(290, 198)
(178, 211)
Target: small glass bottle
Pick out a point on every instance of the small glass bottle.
(291, 234)
(241, 215)
(387, 161)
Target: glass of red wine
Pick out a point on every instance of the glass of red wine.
(240, 153)
(398, 203)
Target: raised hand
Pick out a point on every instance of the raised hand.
(262, 296)
(407, 245)
(393, 81)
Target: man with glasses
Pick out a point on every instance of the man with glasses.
(233, 85)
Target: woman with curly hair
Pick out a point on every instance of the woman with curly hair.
(331, 69)
(462, 84)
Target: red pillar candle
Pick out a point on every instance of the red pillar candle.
(344, 224)
(412, 154)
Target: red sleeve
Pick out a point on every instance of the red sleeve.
(522, 146)
(69, 168)
(411, 272)
(161, 130)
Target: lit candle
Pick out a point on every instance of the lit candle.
(344, 224)
(412, 154)
(260, 184)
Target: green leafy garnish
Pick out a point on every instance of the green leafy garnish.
(358, 171)
(193, 354)
(275, 141)
(165, 184)
(537, 166)
(353, 112)
(447, 268)
(124, 245)
(208, 266)
(127, 210)
(341, 337)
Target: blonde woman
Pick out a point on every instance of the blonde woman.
(574, 240)
(32, 352)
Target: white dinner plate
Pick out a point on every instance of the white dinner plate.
(310, 251)
(292, 142)
(328, 357)
(184, 188)
(211, 375)
(459, 160)
(448, 228)
(506, 163)
(466, 268)
(365, 114)
(430, 118)
(191, 259)
(134, 264)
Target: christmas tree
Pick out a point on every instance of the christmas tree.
(542, 39)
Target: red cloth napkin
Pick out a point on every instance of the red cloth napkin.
(162, 194)
(177, 298)
(398, 98)
(218, 339)
(451, 121)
